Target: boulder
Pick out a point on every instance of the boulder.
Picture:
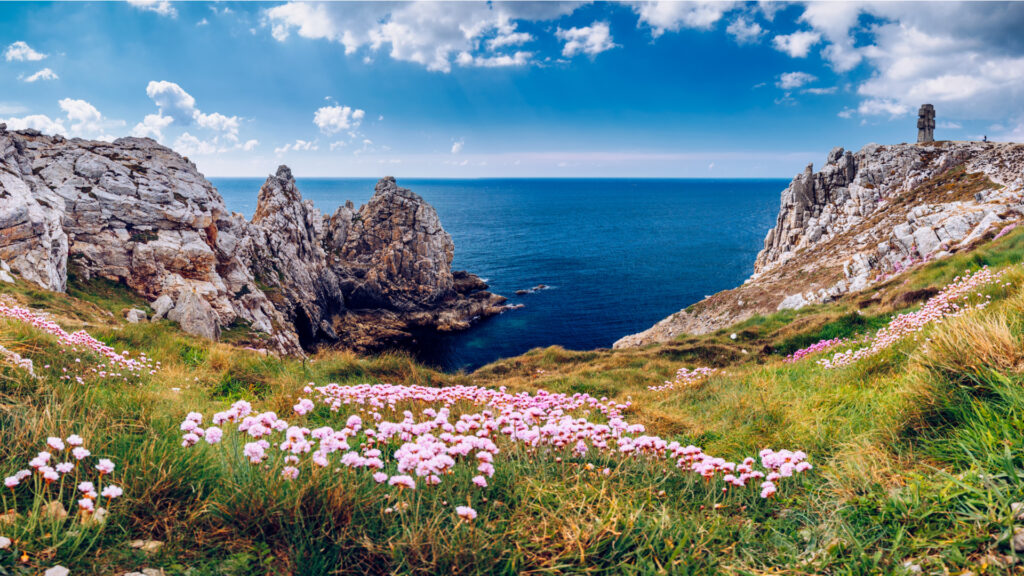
(135, 315)
(195, 315)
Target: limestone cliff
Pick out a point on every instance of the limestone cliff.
(135, 212)
(862, 218)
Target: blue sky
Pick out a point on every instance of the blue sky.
(471, 89)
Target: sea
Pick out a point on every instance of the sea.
(615, 255)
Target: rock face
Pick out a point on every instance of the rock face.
(862, 218)
(135, 212)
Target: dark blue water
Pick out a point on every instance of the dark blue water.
(618, 254)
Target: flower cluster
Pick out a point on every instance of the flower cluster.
(685, 378)
(17, 360)
(953, 300)
(397, 447)
(65, 461)
(1006, 230)
(81, 340)
(817, 347)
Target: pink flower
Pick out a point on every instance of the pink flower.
(290, 472)
(480, 481)
(80, 453)
(305, 406)
(380, 477)
(75, 440)
(111, 491)
(86, 505)
(403, 481)
(105, 466)
(65, 467)
(56, 443)
(11, 481)
(213, 435)
(767, 489)
(466, 513)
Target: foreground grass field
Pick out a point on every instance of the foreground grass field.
(918, 452)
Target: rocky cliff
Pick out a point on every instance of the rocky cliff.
(862, 218)
(135, 212)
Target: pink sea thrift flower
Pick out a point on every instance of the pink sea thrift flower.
(466, 513)
(105, 466)
(290, 472)
(111, 491)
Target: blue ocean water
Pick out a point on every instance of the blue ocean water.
(617, 254)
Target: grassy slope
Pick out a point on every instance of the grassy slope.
(917, 451)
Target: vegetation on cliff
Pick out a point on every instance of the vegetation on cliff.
(916, 450)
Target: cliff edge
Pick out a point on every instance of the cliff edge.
(136, 212)
(862, 218)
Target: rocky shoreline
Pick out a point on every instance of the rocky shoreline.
(861, 219)
(135, 212)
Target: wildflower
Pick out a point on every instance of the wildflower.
(56, 443)
(75, 440)
(380, 477)
(768, 489)
(11, 481)
(86, 505)
(480, 481)
(290, 472)
(80, 453)
(105, 466)
(49, 474)
(213, 435)
(111, 491)
(65, 467)
(403, 481)
(304, 407)
(466, 513)
(5, 543)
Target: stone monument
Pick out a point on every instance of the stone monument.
(926, 124)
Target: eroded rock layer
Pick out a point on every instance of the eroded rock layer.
(135, 212)
(862, 218)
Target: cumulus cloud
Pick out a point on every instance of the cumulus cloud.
(791, 80)
(297, 146)
(432, 34)
(745, 31)
(161, 7)
(882, 106)
(465, 59)
(797, 44)
(334, 119)
(250, 145)
(457, 146)
(179, 106)
(44, 74)
(671, 16)
(590, 40)
(81, 120)
(22, 52)
(152, 126)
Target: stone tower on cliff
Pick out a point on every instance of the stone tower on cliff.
(926, 124)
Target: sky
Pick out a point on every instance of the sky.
(512, 89)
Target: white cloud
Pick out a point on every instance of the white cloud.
(465, 59)
(82, 120)
(949, 125)
(745, 31)
(44, 74)
(591, 40)
(791, 80)
(834, 21)
(161, 7)
(847, 113)
(431, 34)
(297, 146)
(334, 119)
(152, 127)
(510, 38)
(39, 122)
(457, 146)
(797, 44)
(174, 102)
(22, 52)
(820, 91)
(202, 22)
(670, 16)
(189, 145)
(881, 107)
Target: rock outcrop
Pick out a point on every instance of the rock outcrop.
(862, 218)
(133, 211)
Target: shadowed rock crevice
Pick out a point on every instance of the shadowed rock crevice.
(134, 211)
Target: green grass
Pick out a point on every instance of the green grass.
(918, 452)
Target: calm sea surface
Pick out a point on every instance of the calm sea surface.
(618, 254)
